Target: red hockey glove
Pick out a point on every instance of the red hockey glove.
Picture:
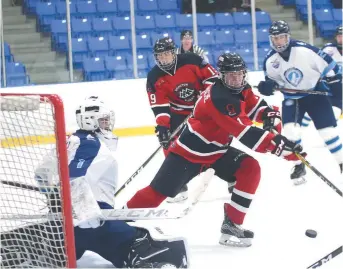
(271, 119)
(281, 146)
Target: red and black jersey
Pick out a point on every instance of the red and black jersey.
(178, 91)
(218, 116)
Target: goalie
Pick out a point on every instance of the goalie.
(93, 179)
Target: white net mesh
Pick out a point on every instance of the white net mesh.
(30, 237)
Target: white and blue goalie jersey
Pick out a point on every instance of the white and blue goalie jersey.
(303, 68)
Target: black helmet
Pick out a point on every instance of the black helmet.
(279, 28)
(165, 44)
(184, 33)
(339, 30)
(233, 71)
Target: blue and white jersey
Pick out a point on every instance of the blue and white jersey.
(303, 68)
(89, 157)
(334, 52)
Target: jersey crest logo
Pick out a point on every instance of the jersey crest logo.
(294, 76)
(185, 92)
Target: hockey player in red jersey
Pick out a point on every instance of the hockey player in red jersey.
(223, 110)
(174, 85)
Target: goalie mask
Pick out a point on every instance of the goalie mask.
(93, 115)
(233, 71)
(279, 36)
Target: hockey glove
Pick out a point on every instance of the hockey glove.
(267, 87)
(271, 119)
(163, 135)
(281, 146)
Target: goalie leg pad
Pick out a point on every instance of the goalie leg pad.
(148, 251)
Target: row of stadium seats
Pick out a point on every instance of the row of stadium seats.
(16, 74)
(104, 6)
(210, 40)
(237, 20)
(120, 67)
(325, 16)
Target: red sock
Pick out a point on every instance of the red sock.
(146, 198)
(248, 177)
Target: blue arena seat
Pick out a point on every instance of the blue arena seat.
(243, 39)
(165, 22)
(224, 21)
(145, 23)
(224, 38)
(86, 9)
(119, 43)
(183, 21)
(263, 19)
(122, 24)
(124, 7)
(206, 40)
(102, 27)
(94, 69)
(205, 21)
(242, 20)
(61, 9)
(98, 46)
(106, 8)
(142, 61)
(146, 6)
(166, 6)
(262, 37)
(337, 15)
(143, 42)
(115, 63)
(80, 51)
(81, 27)
(15, 68)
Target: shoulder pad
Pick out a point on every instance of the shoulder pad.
(226, 102)
(189, 58)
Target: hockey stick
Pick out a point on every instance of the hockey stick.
(299, 91)
(319, 174)
(326, 258)
(134, 213)
(127, 182)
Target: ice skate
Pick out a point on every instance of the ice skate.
(298, 174)
(234, 235)
(182, 196)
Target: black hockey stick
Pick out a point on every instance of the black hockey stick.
(326, 258)
(23, 186)
(300, 91)
(319, 174)
(127, 182)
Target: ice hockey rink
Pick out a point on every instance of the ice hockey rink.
(279, 215)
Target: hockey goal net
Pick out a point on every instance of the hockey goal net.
(36, 225)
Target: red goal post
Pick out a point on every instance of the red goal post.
(32, 126)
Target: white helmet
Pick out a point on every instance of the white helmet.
(94, 115)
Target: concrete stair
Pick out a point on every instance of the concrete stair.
(43, 65)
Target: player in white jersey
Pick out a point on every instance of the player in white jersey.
(293, 64)
(334, 49)
(93, 174)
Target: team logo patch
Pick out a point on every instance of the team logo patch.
(231, 110)
(186, 92)
(275, 64)
(294, 76)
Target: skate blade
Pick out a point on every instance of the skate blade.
(181, 197)
(299, 181)
(233, 241)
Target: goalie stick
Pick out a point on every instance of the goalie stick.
(129, 214)
(326, 258)
(127, 182)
